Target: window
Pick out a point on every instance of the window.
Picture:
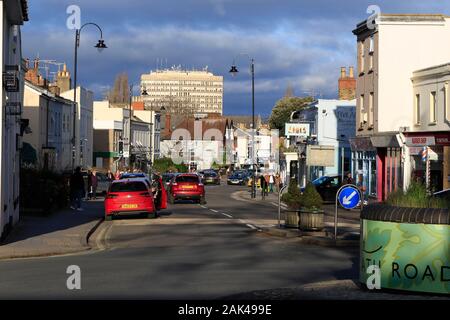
(363, 113)
(128, 187)
(371, 103)
(372, 44)
(417, 109)
(361, 57)
(433, 107)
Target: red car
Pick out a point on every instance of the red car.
(186, 187)
(135, 196)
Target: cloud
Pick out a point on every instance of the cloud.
(299, 42)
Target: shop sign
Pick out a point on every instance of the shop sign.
(443, 139)
(420, 141)
(297, 129)
(412, 257)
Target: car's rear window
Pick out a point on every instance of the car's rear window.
(187, 179)
(210, 174)
(132, 186)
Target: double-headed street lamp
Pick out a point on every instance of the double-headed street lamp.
(234, 72)
(100, 46)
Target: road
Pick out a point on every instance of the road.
(190, 252)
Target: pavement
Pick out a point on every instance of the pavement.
(348, 289)
(63, 232)
(348, 222)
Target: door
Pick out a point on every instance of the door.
(162, 202)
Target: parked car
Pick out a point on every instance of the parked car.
(167, 177)
(130, 197)
(327, 187)
(186, 186)
(132, 175)
(238, 178)
(211, 177)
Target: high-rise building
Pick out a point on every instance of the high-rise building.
(185, 92)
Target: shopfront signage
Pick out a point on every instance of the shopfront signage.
(420, 141)
(297, 130)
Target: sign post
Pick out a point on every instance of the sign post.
(348, 196)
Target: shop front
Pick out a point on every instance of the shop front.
(364, 165)
(437, 147)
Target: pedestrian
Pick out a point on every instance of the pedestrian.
(77, 190)
(362, 188)
(117, 175)
(94, 184)
(271, 183)
(263, 183)
(348, 178)
(110, 176)
(89, 185)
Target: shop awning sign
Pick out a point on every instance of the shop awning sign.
(420, 141)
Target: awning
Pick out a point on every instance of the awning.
(361, 144)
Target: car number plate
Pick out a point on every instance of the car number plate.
(129, 206)
(188, 187)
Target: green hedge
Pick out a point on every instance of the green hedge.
(43, 191)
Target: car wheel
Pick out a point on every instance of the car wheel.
(108, 218)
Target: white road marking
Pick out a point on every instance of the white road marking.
(204, 207)
(227, 215)
(251, 226)
(214, 210)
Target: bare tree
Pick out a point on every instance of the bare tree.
(120, 92)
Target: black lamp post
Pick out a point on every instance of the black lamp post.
(234, 72)
(100, 46)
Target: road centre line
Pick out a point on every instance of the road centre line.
(227, 215)
(214, 210)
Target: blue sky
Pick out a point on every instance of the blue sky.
(296, 42)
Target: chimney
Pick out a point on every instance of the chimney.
(351, 72)
(343, 72)
(347, 84)
(63, 79)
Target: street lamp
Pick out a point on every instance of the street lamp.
(100, 46)
(234, 72)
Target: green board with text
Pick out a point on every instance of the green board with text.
(411, 257)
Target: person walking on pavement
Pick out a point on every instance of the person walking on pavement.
(271, 182)
(348, 179)
(94, 184)
(262, 181)
(110, 176)
(77, 190)
(89, 185)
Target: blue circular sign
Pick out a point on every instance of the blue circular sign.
(349, 197)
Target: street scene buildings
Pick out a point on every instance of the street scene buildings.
(320, 172)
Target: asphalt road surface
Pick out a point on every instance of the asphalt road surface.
(190, 252)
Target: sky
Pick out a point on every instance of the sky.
(295, 43)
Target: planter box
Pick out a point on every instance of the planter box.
(409, 246)
(291, 219)
(311, 220)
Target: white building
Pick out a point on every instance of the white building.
(14, 13)
(50, 120)
(182, 91)
(83, 126)
(332, 124)
(389, 52)
(109, 117)
(266, 153)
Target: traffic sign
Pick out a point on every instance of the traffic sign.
(349, 197)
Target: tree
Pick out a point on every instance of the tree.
(283, 109)
(120, 92)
